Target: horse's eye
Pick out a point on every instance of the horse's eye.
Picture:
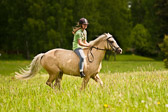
(112, 41)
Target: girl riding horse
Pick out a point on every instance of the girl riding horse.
(80, 41)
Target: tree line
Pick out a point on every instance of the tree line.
(28, 27)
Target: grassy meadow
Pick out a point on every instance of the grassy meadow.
(132, 83)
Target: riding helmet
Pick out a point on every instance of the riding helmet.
(83, 21)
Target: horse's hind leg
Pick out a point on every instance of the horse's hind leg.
(58, 80)
(97, 79)
(53, 74)
(52, 77)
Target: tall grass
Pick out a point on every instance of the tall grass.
(135, 91)
(128, 86)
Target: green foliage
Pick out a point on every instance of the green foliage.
(164, 48)
(162, 13)
(33, 26)
(52, 34)
(140, 39)
(144, 12)
(44, 25)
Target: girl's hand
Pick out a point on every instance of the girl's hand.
(87, 45)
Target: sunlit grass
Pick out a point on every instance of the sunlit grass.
(9, 67)
(124, 63)
(131, 58)
(131, 66)
(135, 91)
(128, 86)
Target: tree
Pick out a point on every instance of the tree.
(140, 40)
(144, 12)
(33, 26)
(164, 47)
(162, 13)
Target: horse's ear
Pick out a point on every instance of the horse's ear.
(105, 33)
(108, 35)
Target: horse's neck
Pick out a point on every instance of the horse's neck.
(98, 54)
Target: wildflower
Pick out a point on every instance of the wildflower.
(142, 101)
(166, 105)
(105, 105)
(158, 103)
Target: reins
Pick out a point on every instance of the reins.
(90, 50)
(108, 44)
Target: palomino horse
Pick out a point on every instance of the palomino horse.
(59, 61)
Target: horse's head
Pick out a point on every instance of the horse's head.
(112, 44)
(104, 42)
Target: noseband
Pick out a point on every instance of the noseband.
(113, 48)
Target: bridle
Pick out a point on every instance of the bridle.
(109, 43)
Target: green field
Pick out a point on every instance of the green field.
(132, 83)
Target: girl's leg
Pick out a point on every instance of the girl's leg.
(81, 55)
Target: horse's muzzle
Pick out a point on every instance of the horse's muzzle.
(119, 51)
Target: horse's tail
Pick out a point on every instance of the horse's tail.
(32, 70)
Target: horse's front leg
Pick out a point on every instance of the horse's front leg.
(98, 80)
(85, 82)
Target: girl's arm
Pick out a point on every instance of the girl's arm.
(84, 44)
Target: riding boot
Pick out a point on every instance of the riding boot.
(82, 74)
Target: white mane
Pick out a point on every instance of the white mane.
(98, 39)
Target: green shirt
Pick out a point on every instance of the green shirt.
(82, 35)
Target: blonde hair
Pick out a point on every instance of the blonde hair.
(76, 28)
